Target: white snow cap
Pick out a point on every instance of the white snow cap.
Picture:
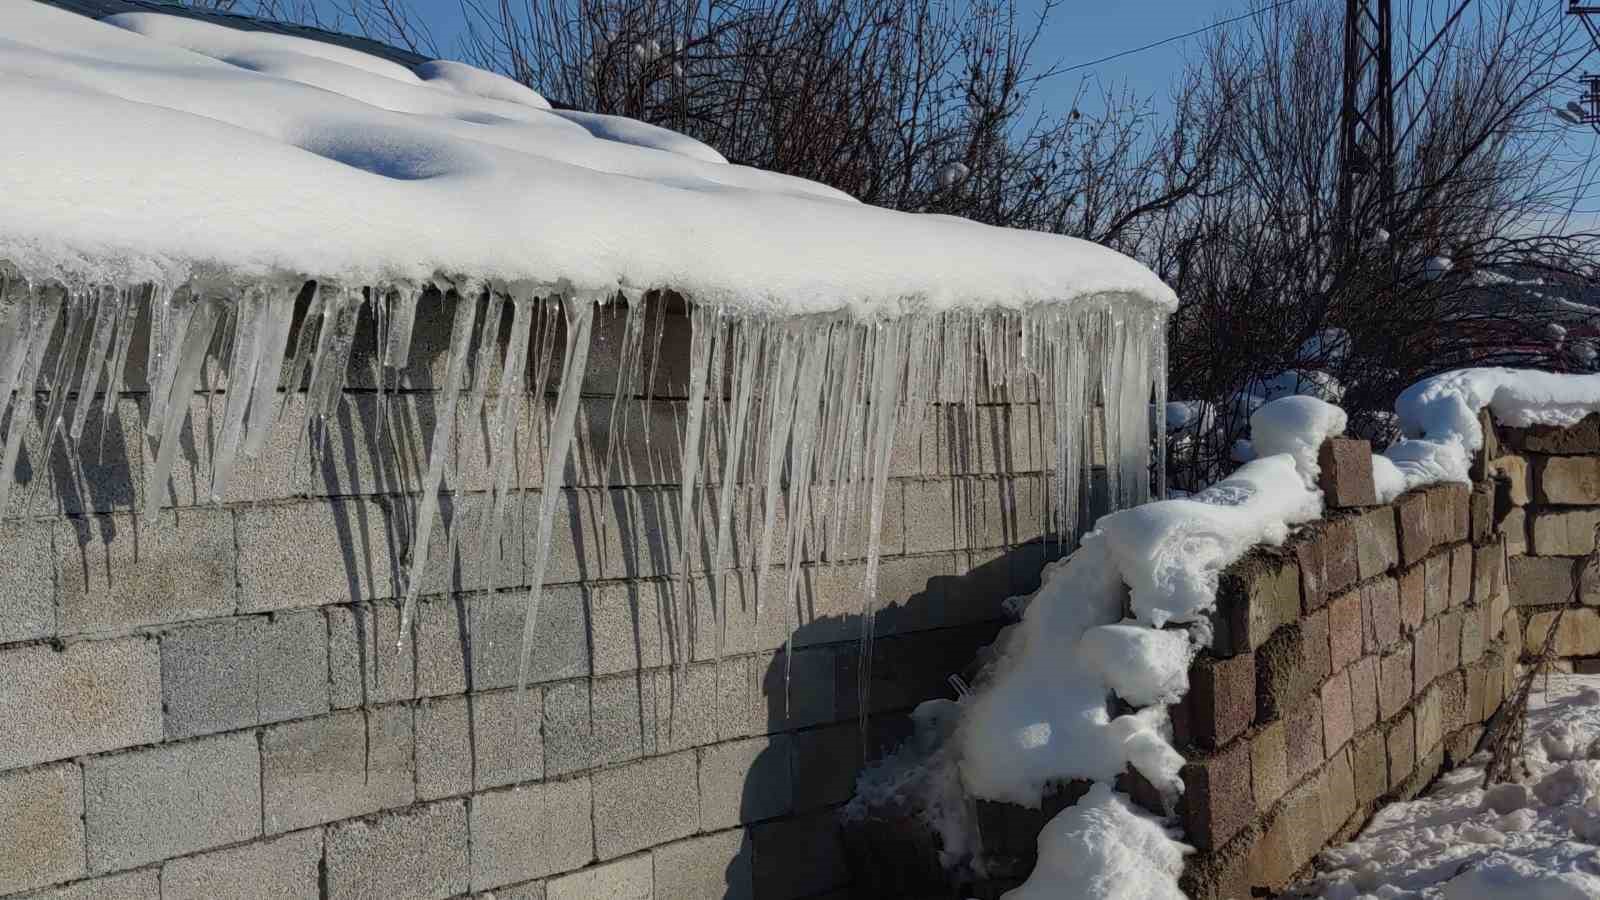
(155, 145)
(1104, 848)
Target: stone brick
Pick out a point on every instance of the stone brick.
(1540, 580)
(1380, 614)
(1450, 640)
(1292, 838)
(1471, 636)
(1344, 629)
(532, 831)
(1425, 654)
(1481, 513)
(442, 638)
(1308, 554)
(86, 698)
(1416, 537)
(1255, 597)
(1429, 714)
(243, 672)
(1568, 532)
(1370, 764)
(444, 754)
(1567, 480)
(1512, 476)
(1336, 783)
(1460, 574)
(1512, 526)
(315, 553)
(745, 781)
(560, 645)
(363, 667)
(1221, 702)
(1394, 681)
(1364, 692)
(41, 827)
(1476, 693)
(1435, 584)
(1448, 510)
(506, 739)
(1288, 668)
(626, 879)
(712, 867)
(1489, 573)
(1579, 634)
(148, 805)
(138, 884)
(119, 572)
(1582, 438)
(819, 779)
(1269, 764)
(284, 868)
(798, 857)
(622, 718)
(1377, 548)
(1340, 565)
(27, 582)
(1217, 799)
(1338, 718)
(1413, 586)
(336, 767)
(645, 803)
(1452, 689)
(1346, 478)
(1304, 738)
(419, 852)
(1401, 740)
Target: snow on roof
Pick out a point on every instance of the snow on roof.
(151, 146)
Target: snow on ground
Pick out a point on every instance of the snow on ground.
(148, 146)
(1533, 840)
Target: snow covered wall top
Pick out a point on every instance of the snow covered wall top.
(147, 147)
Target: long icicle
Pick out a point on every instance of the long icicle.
(502, 434)
(580, 317)
(44, 309)
(200, 324)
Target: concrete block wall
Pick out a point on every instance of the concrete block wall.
(209, 703)
(1351, 666)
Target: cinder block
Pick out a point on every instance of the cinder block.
(1481, 512)
(807, 697)
(1346, 477)
(1425, 654)
(1512, 526)
(1394, 681)
(1416, 537)
(336, 767)
(745, 781)
(1472, 638)
(1582, 438)
(1449, 510)
(1308, 553)
(625, 879)
(1303, 731)
(285, 868)
(27, 582)
(1570, 480)
(105, 475)
(1370, 766)
(1340, 565)
(1460, 574)
(1256, 596)
(798, 857)
(444, 736)
(622, 716)
(138, 884)
(1217, 799)
(1338, 718)
(712, 867)
(1435, 584)
(1568, 532)
(1579, 634)
(316, 553)
(41, 827)
(1377, 547)
(119, 572)
(530, 832)
(1337, 784)
(1401, 740)
(819, 779)
(1512, 477)
(419, 852)
(507, 744)
(242, 672)
(154, 804)
(1344, 629)
(1539, 580)
(1221, 702)
(1380, 614)
(645, 803)
(364, 666)
(1413, 586)
(86, 698)
(1429, 713)
(1269, 765)
(443, 636)
(1364, 692)
(560, 646)
(568, 735)
(1450, 640)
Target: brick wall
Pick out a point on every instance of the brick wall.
(1350, 667)
(209, 704)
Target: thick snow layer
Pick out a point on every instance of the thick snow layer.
(1535, 839)
(153, 146)
(1296, 425)
(1105, 848)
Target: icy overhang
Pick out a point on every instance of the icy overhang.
(148, 146)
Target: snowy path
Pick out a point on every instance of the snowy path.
(1538, 840)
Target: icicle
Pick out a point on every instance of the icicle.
(508, 407)
(44, 308)
(402, 319)
(488, 343)
(580, 317)
(116, 376)
(169, 321)
(107, 311)
(274, 338)
(746, 355)
(703, 320)
(79, 311)
(443, 428)
(200, 321)
(250, 327)
(329, 367)
(802, 446)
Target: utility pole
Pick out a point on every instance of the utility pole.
(1586, 108)
(1366, 125)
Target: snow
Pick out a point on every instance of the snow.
(1105, 848)
(1531, 839)
(250, 155)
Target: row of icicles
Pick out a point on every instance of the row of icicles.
(794, 401)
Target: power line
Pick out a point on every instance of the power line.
(1177, 37)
